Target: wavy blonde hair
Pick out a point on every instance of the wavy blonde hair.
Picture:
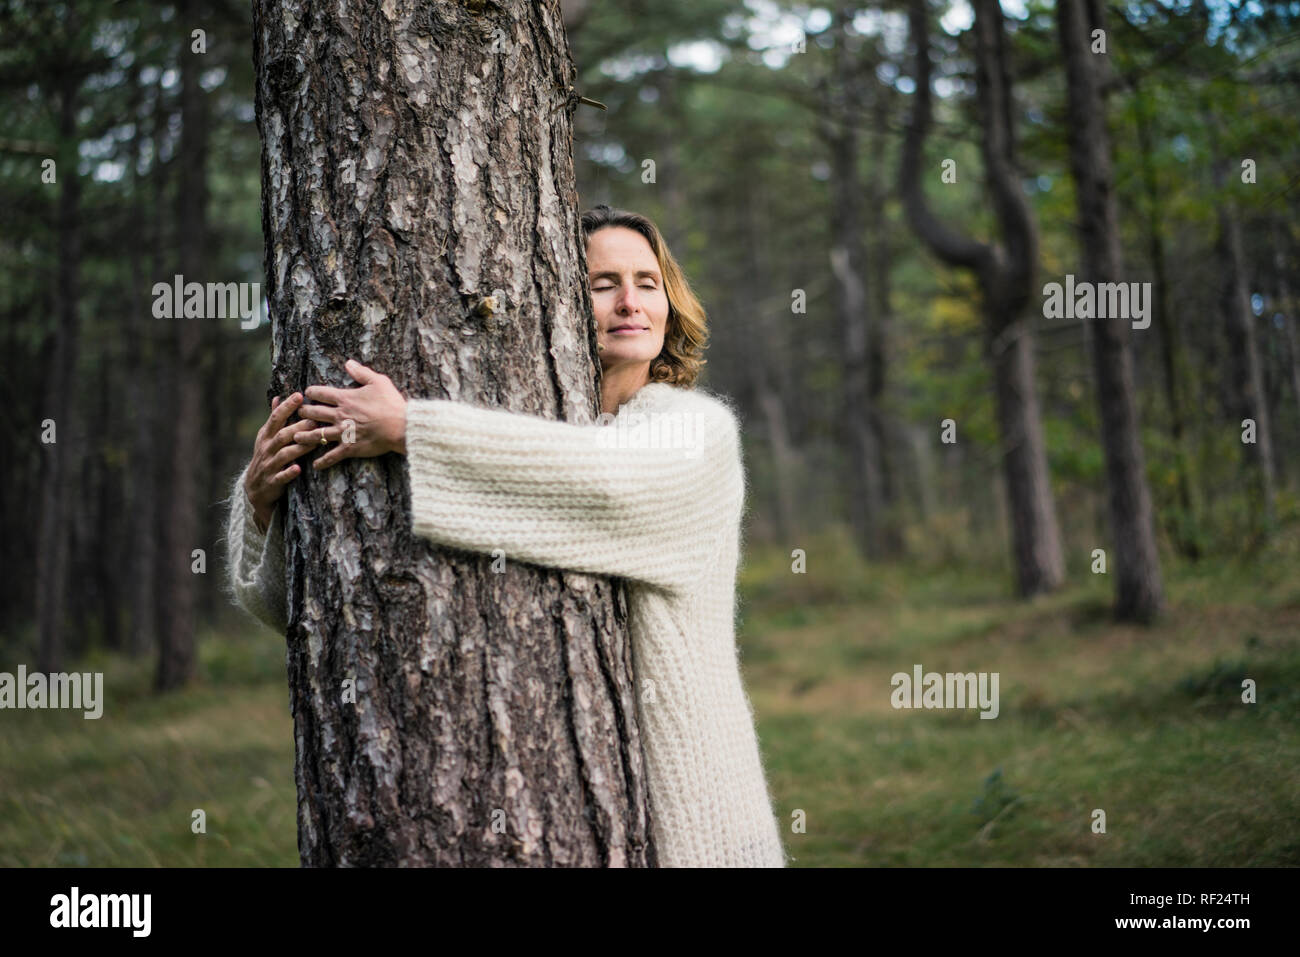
(686, 334)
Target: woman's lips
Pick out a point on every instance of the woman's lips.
(627, 331)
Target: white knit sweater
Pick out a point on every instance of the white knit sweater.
(656, 498)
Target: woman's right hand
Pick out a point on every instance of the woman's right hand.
(272, 467)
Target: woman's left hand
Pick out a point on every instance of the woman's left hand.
(366, 422)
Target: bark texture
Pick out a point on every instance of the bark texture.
(419, 215)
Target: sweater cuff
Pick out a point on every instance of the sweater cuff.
(252, 541)
(422, 418)
(253, 538)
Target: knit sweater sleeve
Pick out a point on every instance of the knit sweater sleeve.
(591, 498)
(255, 561)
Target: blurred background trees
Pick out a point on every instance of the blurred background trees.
(771, 143)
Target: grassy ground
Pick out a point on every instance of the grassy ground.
(121, 790)
(1145, 724)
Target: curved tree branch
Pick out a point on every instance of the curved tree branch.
(953, 247)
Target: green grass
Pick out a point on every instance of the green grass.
(1145, 724)
(120, 791)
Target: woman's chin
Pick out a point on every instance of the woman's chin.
(612, 355)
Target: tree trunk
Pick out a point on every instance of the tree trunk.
(1035, 537)
(670, 175)
(1247, 374)
(1281, 260)
(1006, 276)
(1184, 528)
(419, 215)
(52, 555)
(759, 340)
(176, 653)
(849, 266)
(880, 342)
(142, 400)
(107, 517)
(1139, 593)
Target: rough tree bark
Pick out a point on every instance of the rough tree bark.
(1005, 272)
(419, 215)
(1138, 589)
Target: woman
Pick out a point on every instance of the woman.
(664, 515)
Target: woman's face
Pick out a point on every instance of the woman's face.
(627, 296)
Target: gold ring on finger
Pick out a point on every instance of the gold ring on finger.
(323, 440)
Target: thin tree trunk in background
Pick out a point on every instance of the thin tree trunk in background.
(107, 517)
(1136, 565)
(880, 343)
(1286, 307)
(758, 341)
(920, 441)
(142, 394)
(79, 619)
(176, 623)
(414, 163)
(1036, 537)
(162, 262)
(1006, 277)
(777, 393)
(1247, 375)
(218, 382)
(848, 261)
(52, 556)
(16, 496)
(1184, 533)
(670, 179)
(784, 458)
